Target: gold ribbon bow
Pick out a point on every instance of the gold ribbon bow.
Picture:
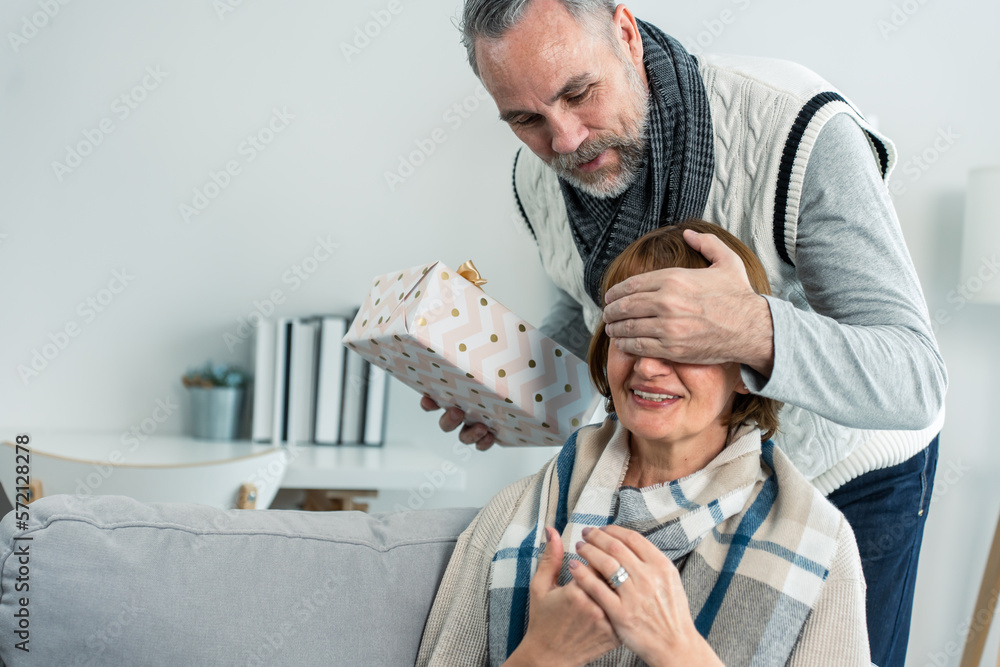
(469, 271)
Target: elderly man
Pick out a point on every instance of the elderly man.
(626, 132)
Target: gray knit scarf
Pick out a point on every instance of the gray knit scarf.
(674, 180)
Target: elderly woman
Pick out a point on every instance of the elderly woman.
(674, 533)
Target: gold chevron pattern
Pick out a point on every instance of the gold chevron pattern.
(443, 336)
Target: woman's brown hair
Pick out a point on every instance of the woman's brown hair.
(665, 248)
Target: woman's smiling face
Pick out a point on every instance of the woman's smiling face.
(672, 403)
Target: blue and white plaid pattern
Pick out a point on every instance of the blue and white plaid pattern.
(754, 560)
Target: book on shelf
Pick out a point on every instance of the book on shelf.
(352, 416)
(263, 381)
(302, 380)
(375, 402)
(282, 364)
(330, 380)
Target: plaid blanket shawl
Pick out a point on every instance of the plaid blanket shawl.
(752, 538)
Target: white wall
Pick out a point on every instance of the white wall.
(932, 71)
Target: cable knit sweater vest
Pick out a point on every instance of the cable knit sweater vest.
(766, 115)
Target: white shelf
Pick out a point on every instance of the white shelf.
(157, 451)
(159, 468)
(395, 466)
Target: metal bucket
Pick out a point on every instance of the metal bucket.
(215, 412)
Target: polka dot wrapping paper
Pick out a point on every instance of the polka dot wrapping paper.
(440, 334)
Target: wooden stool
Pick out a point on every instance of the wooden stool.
(247, 498)
(986, 604)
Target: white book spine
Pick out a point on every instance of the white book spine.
(263, 381)
(375, 406)
(330, 380)
(302, 382)
(352, 421)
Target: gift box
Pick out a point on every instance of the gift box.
(438, 332)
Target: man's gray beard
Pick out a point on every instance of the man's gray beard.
(631, 148)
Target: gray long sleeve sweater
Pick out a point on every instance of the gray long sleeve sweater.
(867, 356)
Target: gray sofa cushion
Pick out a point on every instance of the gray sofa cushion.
(117, 582)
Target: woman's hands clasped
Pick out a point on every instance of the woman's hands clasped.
(565, 625)
(649, 610)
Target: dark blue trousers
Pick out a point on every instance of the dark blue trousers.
(887, 510)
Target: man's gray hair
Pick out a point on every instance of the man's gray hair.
(493, 18)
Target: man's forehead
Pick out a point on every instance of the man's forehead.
(516, 71)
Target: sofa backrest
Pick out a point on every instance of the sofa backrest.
(112, 581)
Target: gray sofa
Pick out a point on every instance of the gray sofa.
(113, 581)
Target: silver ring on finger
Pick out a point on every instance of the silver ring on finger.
(618, 578)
